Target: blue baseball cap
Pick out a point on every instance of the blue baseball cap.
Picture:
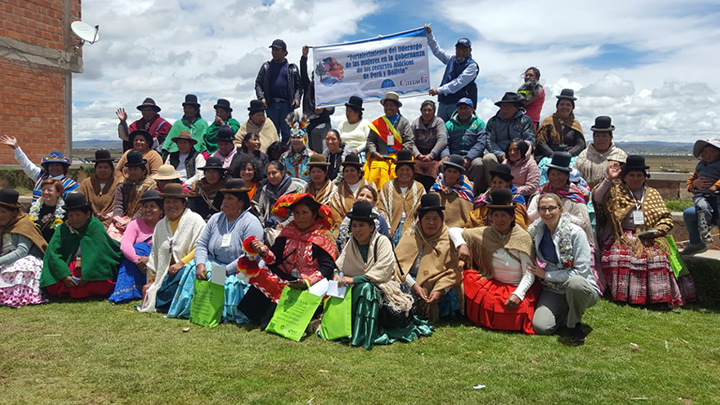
(464, 42)
(467, 101)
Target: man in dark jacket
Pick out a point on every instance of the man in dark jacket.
(509, 123)
(467, 138)
(151, 122)
(278, 87)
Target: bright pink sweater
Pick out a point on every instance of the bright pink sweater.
(136, 231)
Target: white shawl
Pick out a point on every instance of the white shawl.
(189, 229)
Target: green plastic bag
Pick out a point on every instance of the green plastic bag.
(676, 262)
(337, 317)
(295, 309)
(207, 304)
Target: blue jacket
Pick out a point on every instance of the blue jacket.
(467, 140)
(501, 131)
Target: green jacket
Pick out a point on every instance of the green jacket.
(197, 129)
(211, 134)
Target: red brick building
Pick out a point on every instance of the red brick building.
(38, 55)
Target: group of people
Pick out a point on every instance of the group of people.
(517, 224)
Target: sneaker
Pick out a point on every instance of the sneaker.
(694, 249)
(578, 335)
(706, 236)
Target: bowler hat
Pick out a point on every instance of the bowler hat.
(603, 123)
(135, 159)
(430, 202)
(634, 162)
(173, 190)
(9, 198)
(166, 172)
(213, 163)
(501, 198)
(225, 133)
(184, 135)
(567, 94)
(351, 160)
(76, 201)
(404, 156)
(318, 160)
(191, 99)
(222, 103)
(235, 186)
(560, 161)
(455, 161)
(144, 133)
(148, 102)
(355, 102)
(502, 171)
(510, 97)
(279, 43)
(103, 155)
(700, 145)
(391, 96)
(362, 211)
(150, 195)
(55, 157)
(255, 106)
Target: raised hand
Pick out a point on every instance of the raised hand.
(121, 114)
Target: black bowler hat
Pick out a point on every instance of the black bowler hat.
(634, 162)
(255, 106)
(502, 171)
(405, 156)
(222, 103)
(455, 161)
(362, 211)
(351, 160)
(148, 103)
(213, 163)
(150, 195)
(76, 201)
(502, 198)
(191, 99)
(9, 198)
(142, 132)
(279, 43)
(511, 98)
(103, 155)
(225, 133)
(355, 102)
(560, 161)
(135, 159)
(430, 202)
(603, 123)
(567, 94)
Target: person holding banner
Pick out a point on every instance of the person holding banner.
(459, 78)
(388, 135)
(319, 117)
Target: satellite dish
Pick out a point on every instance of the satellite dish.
(86, 32)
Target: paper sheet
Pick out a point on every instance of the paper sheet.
(334, 290)
(218, 275)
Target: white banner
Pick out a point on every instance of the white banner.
(371, 68)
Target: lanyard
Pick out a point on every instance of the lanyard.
(638, 203)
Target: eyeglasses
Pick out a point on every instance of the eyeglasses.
(548, 208)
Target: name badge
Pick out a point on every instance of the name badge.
(638, 218)
(226, 240)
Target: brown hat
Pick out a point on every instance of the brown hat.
(318, 160)
(173, 190)
(392, 96)
(235, 186)
(184, 135)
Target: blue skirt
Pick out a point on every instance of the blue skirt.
(234, 292)
(130, 279)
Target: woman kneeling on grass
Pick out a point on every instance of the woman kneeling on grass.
(381, 310)
(563, 266)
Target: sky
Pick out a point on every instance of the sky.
(650, 65)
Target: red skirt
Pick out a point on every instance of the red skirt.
(102, 288)
(485, 304)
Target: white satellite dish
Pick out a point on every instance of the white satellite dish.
(86, 32)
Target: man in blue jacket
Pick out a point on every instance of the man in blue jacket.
(467, 138)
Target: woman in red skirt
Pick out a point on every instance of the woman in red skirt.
(500, 293)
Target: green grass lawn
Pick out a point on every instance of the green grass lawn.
(95, 352)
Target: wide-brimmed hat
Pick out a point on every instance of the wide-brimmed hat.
(502, 198)
(235, 186)
(103, 155)
(145, 134)
(173, 190)
(634, 162)
(560, 161)
(191, 99)
(76, 201)
(392, 96)
(56, 157)
(279, 43)
(135, 159)
(318, 160)
(148, 102)
(455, 161)
(405, 156)
(222, 103)
(502, 171)
(166, 172)
(351, 159)
(255, 106)
(213, 163)
(9, 198)
(509, 97)
(567, 94)
(184, 135)
(701, 143)
(225, 133)
(355, 102)
(362, 211)
(430, 202)
(150, 195)
(603, 123)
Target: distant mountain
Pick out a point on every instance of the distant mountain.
(97, 144)
(654, 148)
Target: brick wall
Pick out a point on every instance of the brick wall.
(35, 97)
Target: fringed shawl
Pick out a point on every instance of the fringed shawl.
(438, 268)
(483, 242)
(392, 203)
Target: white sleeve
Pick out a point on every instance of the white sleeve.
(527, 279)
(199, 174)
(456, 237)
(32, 170)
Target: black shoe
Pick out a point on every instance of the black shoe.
(578, 335)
